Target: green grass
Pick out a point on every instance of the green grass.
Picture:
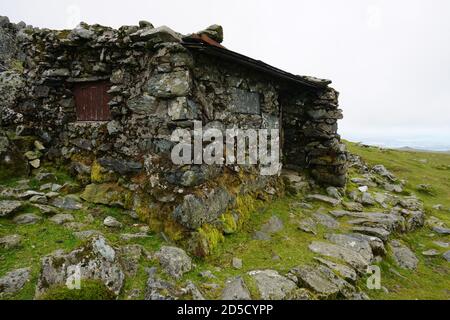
(430, 281)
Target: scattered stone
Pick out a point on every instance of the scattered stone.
(67, 203)
(26, 219)
(442, 244)
(39, 199)
(274, 225)
(382, 171)
(133, 236)
(353, 243)
(237, 263)
(334, 193)
(207, 275)
(447, 256)
(431, 253)
(381, 233)
(345, 272)
(367, 199)
(35, 163)
(403, 256)
(159, 289)
(441, 230)
(363, 189)
(62, 218)
(272, 286)
(74, 226)
(326, 220)
(11, 241)
(14, 281)
(192, 290)
(129, 257)
(235, 289)
(112, 222)
(28, 194)
(174, 261)
(97, 258)
(353, 206)
(438, 207)
(47, 210)
(323, 281)
(393, 187)
(308, 225)
(353, 258)
(325, 199)
(8, 207)
(364, 182)
(85, 235)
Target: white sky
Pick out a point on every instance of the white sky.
(389, 59)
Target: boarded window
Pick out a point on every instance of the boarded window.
(91, 101)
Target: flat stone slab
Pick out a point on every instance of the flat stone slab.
(14, 281)
(62, 218)
(7, 207)
(11, 241)
(235, 289)
(324, 199)
(351, 257)
(345, 272)
(273, 286)
(326, 220)
(27, 218)
(403, 256)
(381, 233)
(441, 230)
(347, 241)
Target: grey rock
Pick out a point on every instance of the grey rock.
(274, 225)
(10, 241)
(393, 187)
(235, 289)
(62, 218)
(431, 253)
(382, 171)
(28, 194)
(411, 203)
(158, 35)
(27, 218)
(334, 193)
(51, 73)
(133, 236)
(145, 24)
(442, 244)
(196, 211)
(367, 199)
(129, 257)
(403, 256)
(170, 85)
(261, 236)
(215, 32)
(120, 166)
(324, 199)
(326, 220)
(14, 281)
(97, 261)
(47, 210)
(441, 230)
(67, 203)
(353, 243)
(84, 235)
(381, 233)
(112, 222)
(159, 289)
(8, 207)
(353, 206)
(236, 263)
(375, 243)
(273, 286)
(308, 225)
(323, 281)
(192, 290)
(351, 257)
(174, 261)
(345, 272)
(82, 33)
(447, 256)
(364, 182)
(39, 199)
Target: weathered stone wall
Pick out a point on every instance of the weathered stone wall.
(157, 86)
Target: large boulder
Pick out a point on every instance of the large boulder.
(273, 286)
(96, 260)
(14, 281)
(174, 261)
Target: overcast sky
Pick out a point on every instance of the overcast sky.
(390, 59)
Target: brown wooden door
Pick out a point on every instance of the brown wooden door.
(91, 101)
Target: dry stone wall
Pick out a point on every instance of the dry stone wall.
(157, 85)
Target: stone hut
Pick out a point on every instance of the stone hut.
(105, 102)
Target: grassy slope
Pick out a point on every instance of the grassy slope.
(431, 281)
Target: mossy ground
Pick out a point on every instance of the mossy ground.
(286, 249)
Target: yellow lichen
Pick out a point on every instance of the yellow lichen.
(229, 224)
